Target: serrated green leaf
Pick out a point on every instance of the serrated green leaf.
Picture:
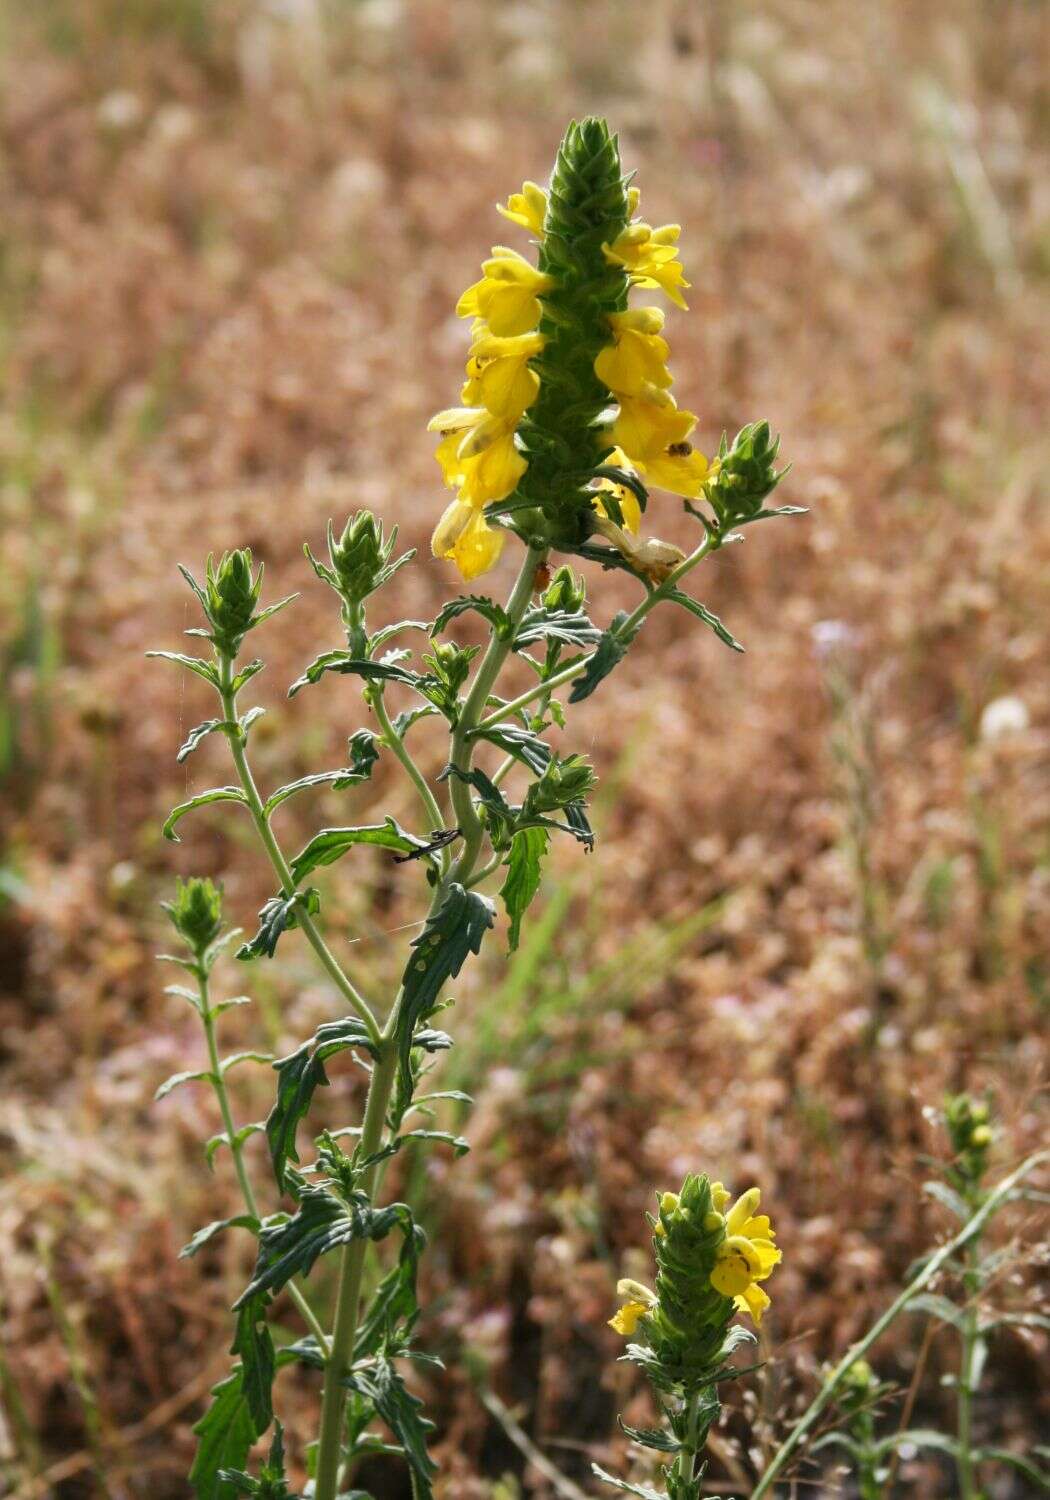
(212, 1146)
(380, 1382)
(245, 675)
(1017, 1461)
(236, 1058)
(948, 1198)
(920, 1438)
(180, 989)
(278, 915)
(332, 843)
(292, 1246)
(198, 734)
(209, 1231)
(528, 849)
(298, 1075)
(489, 610)
(611, 650)
(216, 794)
(230, 1004)
(541, 624)
(624, 1485)
(363, 756)
(523, 744)
(409, 716)
(178, 1079)
(935, 1306)
(651, 1437)
(345, 662)
(225, 1434)
(454, 931)
(459, 1145)
(253, 1341)
(196, 664)
(694, 607)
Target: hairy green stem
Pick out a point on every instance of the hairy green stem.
(462, 747)
(971, 1230)
(633, 620)
(218, 1083)
(344, 1328)
(313, 936)
(686, 1460)
(394, 742)
(970, 1338)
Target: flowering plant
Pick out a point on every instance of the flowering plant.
(567, 421)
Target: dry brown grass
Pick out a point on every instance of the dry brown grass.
(231, 244)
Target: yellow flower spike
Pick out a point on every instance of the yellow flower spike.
(507, 296)
(464, 537)
(527, 208)
(747, 1255)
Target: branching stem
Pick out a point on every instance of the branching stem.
(396, 743)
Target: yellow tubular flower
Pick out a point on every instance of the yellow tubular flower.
(527, 208)
(747, 1255)
(464, 537)
(507, 295)
(498, 376)
(636, 360)
(477, 453)
(639, 1300)
(650, 258)
(654, 433)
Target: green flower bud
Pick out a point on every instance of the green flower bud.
(566, 592)
(563, 782)
(746, 472)
(360, 555)
(196, 913)
(232, 592)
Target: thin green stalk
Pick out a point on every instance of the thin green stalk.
(633, 620)
(970, 1339)
(344, 1328)
(827, 1392)
(686, 1460)
(462, 747)
(262, 824)
(395, 743)
(237, 1151)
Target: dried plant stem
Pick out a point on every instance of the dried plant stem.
(969, 1232)
(262, 824)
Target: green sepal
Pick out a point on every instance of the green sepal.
(276, 916)
(298, 1075)
(216, 794)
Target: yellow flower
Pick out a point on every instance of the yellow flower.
(527, 208)
(477, 453)
(653, 558)
(654, 433)
(636, 360)
(746, 1256)
(464, 537)
(650, 258)
(498, 376)
(640, 1300)
(507, 295)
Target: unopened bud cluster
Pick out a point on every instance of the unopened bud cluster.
(196, 913)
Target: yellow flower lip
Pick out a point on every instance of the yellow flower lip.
(527, 208)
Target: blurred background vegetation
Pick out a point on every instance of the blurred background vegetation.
(231, 242)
